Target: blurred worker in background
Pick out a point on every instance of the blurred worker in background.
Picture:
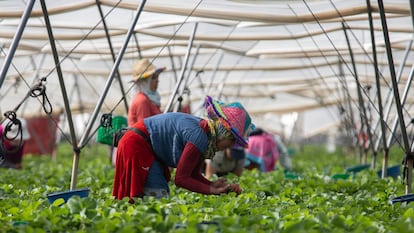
(226, 161)
(146, 99)
(264, 151)
(284, 156)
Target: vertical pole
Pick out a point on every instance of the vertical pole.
(183, 68)
(388, 98)
(118, 75)
(185, 86)
(409, 155)
(172, 64)
(363, 113)
(108, 83)
(350, 113)
(16, 40)
(82, 141)
(379, 96)
(61, 84)
(403, 100)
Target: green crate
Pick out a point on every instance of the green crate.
(105, 135)
(393, 171)
(340, 176)
(358, 168)
(291, 175)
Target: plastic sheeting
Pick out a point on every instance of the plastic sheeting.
(276, 57)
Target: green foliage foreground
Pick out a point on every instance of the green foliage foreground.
(271, 202)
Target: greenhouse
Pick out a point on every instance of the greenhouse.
(329, 79)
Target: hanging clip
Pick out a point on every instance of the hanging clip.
(106, 121)
(10, 134)
(40, 90)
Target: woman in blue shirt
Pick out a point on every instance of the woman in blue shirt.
(180, 141)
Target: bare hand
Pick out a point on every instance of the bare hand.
(235, 188)
(221, 182)
(219, 186)
(219, 190)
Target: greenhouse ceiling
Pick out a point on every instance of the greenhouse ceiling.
(318, 60)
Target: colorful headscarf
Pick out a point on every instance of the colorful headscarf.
(233, 117)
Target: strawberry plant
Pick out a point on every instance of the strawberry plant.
(312, 201)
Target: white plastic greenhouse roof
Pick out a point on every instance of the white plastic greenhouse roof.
(304, 58)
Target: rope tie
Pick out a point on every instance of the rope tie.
(106, 121)
(40, 90)
(9, 135)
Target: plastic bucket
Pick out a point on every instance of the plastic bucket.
(68, 194)
(405, 198)
(358, 168)
(393, 171)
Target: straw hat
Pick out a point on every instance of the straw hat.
(233, 116)
(143, 69)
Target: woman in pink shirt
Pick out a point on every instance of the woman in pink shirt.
(262, 151)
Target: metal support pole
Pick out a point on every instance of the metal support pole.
(347, 100)
(187, 78)
(213, 74)
(388, 98)
(82, 141)
(409, 155)
(108, 83)
(61, 83)
(207, 89)
(118, 75)
(403, 99)
(412, 11)
(16, 40)
(379, 96)
(363, 112)
(183, 68)
(137, 44)
(172, 64)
